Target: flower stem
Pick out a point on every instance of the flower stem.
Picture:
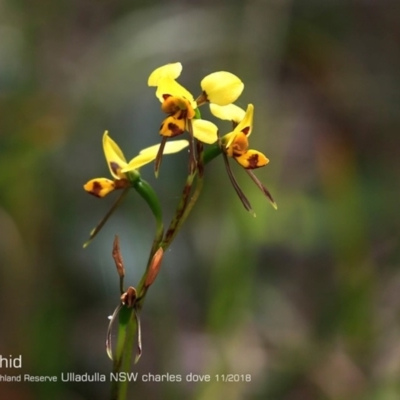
(128, 327)
(123, 354)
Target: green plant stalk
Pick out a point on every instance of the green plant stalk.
(186, 204)
(127, 324)
(148, 194)
(127, 327)
(123, 351)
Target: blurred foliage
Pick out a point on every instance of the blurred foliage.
(304, 299)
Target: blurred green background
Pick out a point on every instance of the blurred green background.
(306, 299)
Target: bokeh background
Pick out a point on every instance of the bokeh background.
(306, 299)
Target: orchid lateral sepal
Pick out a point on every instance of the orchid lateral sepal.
(98, 227)
(238, 190)
(262, 188)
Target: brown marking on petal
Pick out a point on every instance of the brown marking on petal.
(165, 96)
(246, 130)
(253, 161)
(175, 129)
(114, 167)
(96, 189)
(181, 114)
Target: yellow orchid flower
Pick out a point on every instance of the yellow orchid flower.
(236, 145)
(220, 88)
(179, 103)
(119, 167)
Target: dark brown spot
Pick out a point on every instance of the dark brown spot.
(253, 161)
(182, 114)
(246, 130)
(96, 189)
(165, 96)
(174, 129)
(114, 167)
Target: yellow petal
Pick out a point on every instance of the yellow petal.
(99, 187)
(114, 156)
(166, 71)
(205, 131)
(252, 159)
(246, 124)
(170, 147)
(222, 87)
(139, 161)
(231, 112)
(168, 86)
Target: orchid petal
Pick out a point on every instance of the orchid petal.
(99, 187)
(170, 147)
(114, 156)
(205, 131)
(166, 71)
(222, 87)
(139, 161)
(252, 159)
(231, 112)
(246, 124)
(169, 87)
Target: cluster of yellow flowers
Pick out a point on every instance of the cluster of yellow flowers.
(220, 90)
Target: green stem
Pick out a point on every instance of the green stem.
(149, 195)
(123, 351)
(211, 152)
(127, 329)
(127, 326)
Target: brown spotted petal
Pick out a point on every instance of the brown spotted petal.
(252, 159)
(99, 187)
(173, 126)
